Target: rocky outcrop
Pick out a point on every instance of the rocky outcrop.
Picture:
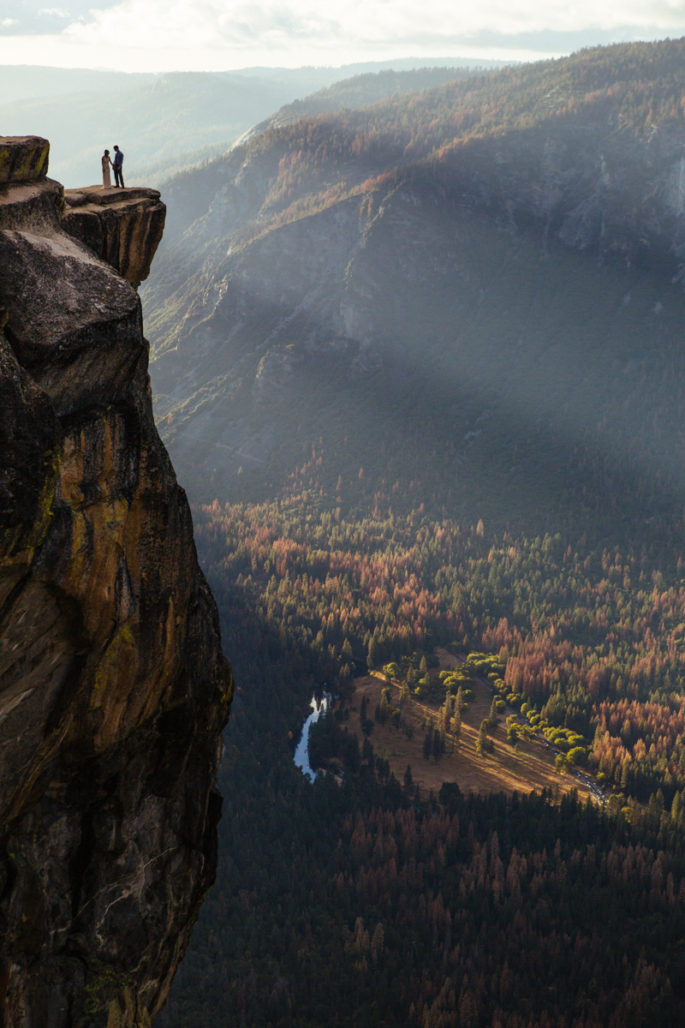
(122, 226)
(23, 159)
(113, 687)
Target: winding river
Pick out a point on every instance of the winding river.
(318, 707)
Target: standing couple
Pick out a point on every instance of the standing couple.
(117, 164)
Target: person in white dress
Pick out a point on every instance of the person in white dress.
(106, 165)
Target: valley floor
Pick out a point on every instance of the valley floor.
(527, 767)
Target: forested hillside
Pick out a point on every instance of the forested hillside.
(472, 292)
(363, 90)
(420, 366)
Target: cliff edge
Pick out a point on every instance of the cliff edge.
(123, 226)
(113, 686)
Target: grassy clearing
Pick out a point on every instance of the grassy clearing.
(526, 768)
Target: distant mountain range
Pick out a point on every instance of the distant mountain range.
(470, 293)
(163, 122)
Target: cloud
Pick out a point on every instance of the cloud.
(33, 16)
(234, 33)
(236, 23)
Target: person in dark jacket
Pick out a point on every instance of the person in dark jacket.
(118, 166)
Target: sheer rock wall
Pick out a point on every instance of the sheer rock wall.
(113, 686)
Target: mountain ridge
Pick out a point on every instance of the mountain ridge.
(334, 273)
(162, 121)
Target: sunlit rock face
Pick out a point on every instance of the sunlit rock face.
(113, 687)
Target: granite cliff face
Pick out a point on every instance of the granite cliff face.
(113, 687)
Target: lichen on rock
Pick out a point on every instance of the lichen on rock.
(113, 687)
(23, 158)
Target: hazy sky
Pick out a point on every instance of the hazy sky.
(156, 35)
